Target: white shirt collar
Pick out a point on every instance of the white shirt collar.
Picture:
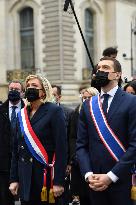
(111, 92)
(17, 105)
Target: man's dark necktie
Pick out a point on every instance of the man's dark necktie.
(105, 103)
(13, 117)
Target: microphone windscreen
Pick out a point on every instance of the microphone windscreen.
(66, 5)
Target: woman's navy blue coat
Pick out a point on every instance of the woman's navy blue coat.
(49, 125)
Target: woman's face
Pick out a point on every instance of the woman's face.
(35, 83)
(85, 95)
(130, 90)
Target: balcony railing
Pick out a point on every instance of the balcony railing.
(18, 74)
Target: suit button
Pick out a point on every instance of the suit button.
(22, 159)
(22, 147)
(31, 159)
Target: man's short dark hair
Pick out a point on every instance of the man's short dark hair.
(110, 51)
(58, 89)
(17, 81)
(116, 63)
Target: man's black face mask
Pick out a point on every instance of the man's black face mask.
(101, 78)
(14, 96)
(32, 94)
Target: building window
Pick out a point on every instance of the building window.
(27, 38)
(89, 35)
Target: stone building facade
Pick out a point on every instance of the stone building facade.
(38, 36)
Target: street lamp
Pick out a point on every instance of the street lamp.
(133, 32)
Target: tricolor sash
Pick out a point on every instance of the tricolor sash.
(106, 134)
(38, 152)
(32, 141)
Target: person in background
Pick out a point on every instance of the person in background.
(106, 139)
(8, 112)
(40, 147)
(110, 52)
(130, 87)
(67, 113)
(79, 188)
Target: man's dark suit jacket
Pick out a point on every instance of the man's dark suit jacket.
(68, 115)
(49, 125)
(5, 137)
(92, 154)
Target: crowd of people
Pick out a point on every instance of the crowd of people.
(53, 154)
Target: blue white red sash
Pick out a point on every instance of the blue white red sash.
(107, 136)
(38, 151)
(32, 141)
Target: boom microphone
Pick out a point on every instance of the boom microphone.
(66, 5)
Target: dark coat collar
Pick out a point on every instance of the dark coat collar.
(42, 110)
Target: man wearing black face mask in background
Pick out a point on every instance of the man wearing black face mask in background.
(14, 102)
(106, 149)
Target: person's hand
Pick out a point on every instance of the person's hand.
(94, 183)
(103, 178)
(99, 182)
(14, 188)
(58, 190)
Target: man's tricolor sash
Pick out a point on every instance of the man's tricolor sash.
(107, 136)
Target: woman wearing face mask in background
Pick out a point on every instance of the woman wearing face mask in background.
(130, 87)
(39, 147)
(79, 188)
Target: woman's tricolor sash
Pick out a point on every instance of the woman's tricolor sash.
(107, 136)
(32, 141)
(38, 152)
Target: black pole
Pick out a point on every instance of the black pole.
(67, 2)
(131, 50)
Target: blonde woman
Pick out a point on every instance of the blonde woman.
(39, 157)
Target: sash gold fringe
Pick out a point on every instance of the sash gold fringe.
(51, 197)
(44, 194)
(133, 193)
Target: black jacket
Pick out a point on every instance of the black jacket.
(73, 134)
(68, 113)
(5, 137)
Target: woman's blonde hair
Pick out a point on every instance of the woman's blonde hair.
(92, 91)
(45, 84)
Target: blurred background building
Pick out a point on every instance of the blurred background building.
(38, 36)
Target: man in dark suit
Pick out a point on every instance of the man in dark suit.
(68, 114)
(109, 178)
(14, 99)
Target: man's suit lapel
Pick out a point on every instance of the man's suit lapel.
(22, 104)
(5, 108)
(115, 104)
(41, 112)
